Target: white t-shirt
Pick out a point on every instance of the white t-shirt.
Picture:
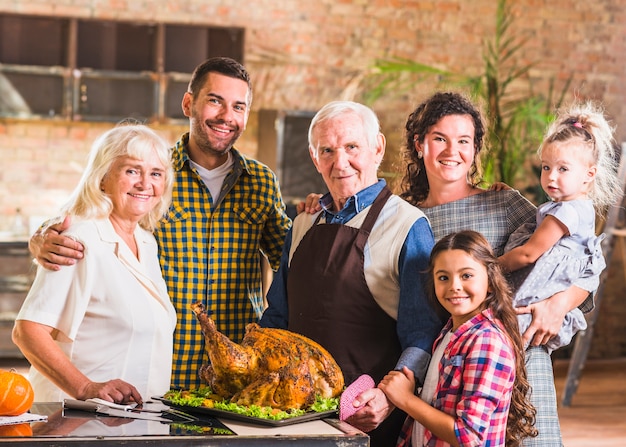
(112, 311)
(430, 387)
(214, 178)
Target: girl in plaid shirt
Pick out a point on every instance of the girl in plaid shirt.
(475, 389)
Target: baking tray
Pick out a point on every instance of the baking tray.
(214, 412)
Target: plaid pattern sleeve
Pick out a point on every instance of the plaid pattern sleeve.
(210, 252)
(404, 438)
(476, 372)
(276, 223)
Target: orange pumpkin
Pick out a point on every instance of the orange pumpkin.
(16, 393)
(16, 430)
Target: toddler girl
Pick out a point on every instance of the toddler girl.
(579, 175)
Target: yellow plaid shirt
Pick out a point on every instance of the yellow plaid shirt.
(210, 252)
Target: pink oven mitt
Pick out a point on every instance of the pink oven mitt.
(346, 409)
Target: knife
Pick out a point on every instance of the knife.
(93, 407)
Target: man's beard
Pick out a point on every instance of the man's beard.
(213, 146)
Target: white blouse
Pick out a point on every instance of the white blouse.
(112, 311)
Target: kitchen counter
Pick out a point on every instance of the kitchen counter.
(79, 428)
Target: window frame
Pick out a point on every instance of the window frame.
(75, 79)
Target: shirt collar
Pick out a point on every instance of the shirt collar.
(107, 232)
(354, 204)
(485, 314)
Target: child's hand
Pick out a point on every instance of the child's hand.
(499, 186)
(398, 386)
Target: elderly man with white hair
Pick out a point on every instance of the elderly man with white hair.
(352, 275)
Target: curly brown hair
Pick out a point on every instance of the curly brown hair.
(415, 185)
(521, 417)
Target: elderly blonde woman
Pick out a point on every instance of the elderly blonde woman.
(103, 326)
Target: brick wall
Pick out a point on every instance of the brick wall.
(303, 53)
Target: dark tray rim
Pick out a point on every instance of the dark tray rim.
(311, 416)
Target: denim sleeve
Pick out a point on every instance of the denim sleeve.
(277, 313)
(418, 324)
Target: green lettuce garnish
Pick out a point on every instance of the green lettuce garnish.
(323, 404)
(197, 397)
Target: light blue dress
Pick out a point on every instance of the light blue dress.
(575, 259)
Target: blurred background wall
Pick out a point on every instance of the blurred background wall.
(302, 54)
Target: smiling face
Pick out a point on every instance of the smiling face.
(134, 186)
(449, 150)
(461, 284)
(566, 173)
(344, 157)
(217, 117)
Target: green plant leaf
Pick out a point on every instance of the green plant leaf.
(516, 117)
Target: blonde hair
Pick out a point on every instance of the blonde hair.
(586, 122)
(88, 201)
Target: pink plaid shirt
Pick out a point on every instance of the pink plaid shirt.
(476, 376)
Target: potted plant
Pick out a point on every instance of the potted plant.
(516, 115)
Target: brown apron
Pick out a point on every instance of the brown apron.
(329, 302)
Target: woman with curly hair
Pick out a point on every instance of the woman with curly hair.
(443, 143)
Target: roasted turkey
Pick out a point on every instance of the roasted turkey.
(271, 367)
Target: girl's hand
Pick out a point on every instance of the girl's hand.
(398, 386)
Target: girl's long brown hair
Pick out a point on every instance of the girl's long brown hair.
(521, 413)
